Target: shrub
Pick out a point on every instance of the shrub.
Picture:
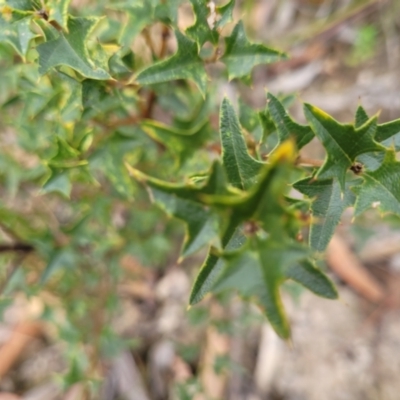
(88, 123)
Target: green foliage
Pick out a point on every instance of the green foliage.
(96, 122)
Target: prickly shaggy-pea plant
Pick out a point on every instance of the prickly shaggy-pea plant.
(102, 101)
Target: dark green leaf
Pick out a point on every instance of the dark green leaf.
(59, 11)
(258, 273)
(312, 278)
(285, 125)
(18, 34)
(25, 5)
(328, 204)
(59, 181)
(241, 168)
(225, 14)
(387, 131)
(140, 14)
(232, 239)
(70, 49)
(380, 188)
(241, 56)
(201, 31)
(183, 202)
(181, 143)
(184, 64)
(361, 117)
(343, 143)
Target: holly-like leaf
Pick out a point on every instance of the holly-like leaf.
(140, 14)
(200, 31)
(312, 278)
(386, 133)
(263, 203)
(167, 11)
(361, 117)
(372, 161)
(241, 55)
(181, 143)
(258, 271)
(225, 14)
(285, 125)
(18, 34)
(232, 239)
(380, 188)
(328, 204)
(59, 11)
(241, 168)
(70, 49)
(59, 181)
(24, 5)
(184, 64)
(184, 202)
(343, 143)
(66, 156)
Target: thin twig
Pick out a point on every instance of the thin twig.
(19, 246)
(164, 41)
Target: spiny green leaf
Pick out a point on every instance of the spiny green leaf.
(59, 181)
(361, 117)
(140, 14)
(70, 50)
(241, 56)
(380, 188)
(263, 203)
(328, 204)
(285, 125)
(265, 200)
(215, 184)
(241, 168)
(386, 132)
(343, 143)
(59, 11)
(200, 31)
(66, 156)
(25, 5)
(167, 11)
(312, 278)
(110, 160)
(202, 224)
(181, 143)
(183, 202)
(232, 239)
(258, 271)
(184, 64)
(18, 34)
(225, 14)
